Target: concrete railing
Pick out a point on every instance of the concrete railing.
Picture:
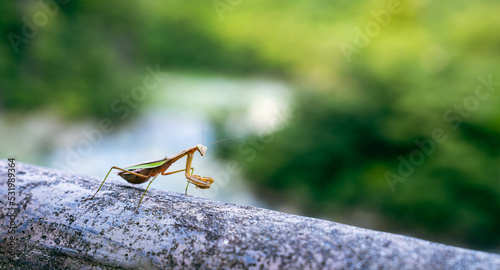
(46, 225)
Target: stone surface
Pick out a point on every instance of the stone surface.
(54, 229)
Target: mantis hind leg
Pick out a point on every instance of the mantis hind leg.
(114, 167)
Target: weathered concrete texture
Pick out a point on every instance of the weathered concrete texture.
(55, 229)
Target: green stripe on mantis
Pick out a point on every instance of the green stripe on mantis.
(147, 165)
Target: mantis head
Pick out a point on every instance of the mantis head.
(202, 149)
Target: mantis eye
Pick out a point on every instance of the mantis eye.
(202, 149)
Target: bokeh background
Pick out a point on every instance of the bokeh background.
(323, 102)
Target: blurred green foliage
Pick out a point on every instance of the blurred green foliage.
(332, 157)
(89, 53)
(351, 120)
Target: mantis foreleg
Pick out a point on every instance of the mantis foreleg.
(198, 181)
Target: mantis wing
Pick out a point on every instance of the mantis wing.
(147, 165)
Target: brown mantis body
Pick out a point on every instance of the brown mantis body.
(141, 173)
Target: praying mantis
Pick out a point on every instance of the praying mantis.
(142, 172)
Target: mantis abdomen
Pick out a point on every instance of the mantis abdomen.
(134, 179)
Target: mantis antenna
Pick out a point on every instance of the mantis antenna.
(224, 140)
(203, 136)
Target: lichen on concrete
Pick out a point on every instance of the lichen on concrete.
(55, 229)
